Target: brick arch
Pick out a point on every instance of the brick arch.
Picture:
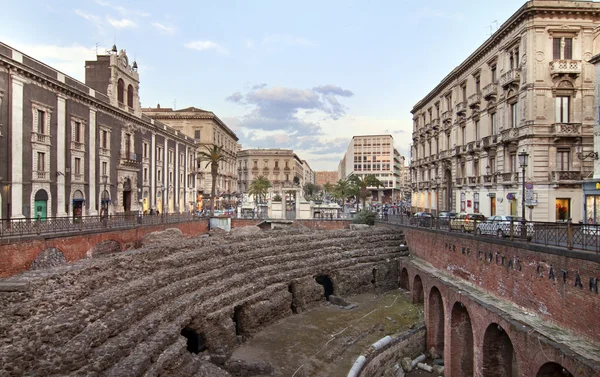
(499, 359)
(103, 248)
(461, 341)
(404, 279)
(553, 370)
(435, 321)
(417, 290)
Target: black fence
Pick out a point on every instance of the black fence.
(561, 234)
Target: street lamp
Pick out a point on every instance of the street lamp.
(592, 155)
(523, 157)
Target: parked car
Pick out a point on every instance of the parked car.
(465, 222)
(499, 226)
(421, 219)
(445, 217)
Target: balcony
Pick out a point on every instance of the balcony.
(40, 138)
(490, 90)
(77, 177)
(447, 116)
(474, 100)
(566, 129)
(471, 147)
(442, 154)
(566, 176)
(77, 145)
(489, 179)
(436, 124)
(41, 175)
(510, 178)
(565, 67)
(513, 76)
(129, 158)
(509, 134)
(457, 151)
(461, 108)
(104, 151)
(458, 181)
(473, 181)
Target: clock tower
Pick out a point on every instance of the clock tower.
(112, 74)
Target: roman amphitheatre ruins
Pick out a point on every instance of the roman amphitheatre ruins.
(299, 302)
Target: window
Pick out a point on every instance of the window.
(463, 135)
(130, 96)
(562, 109)
(492, 165)
(170, 157)
(255, 163)
(77, 165)
(277, 163)
(41, 161)
(171, 177)
(104, 167)
(127, 144)
(477, 85)
(464, 92)
(77, 132)
(159, 176)
(145, 150)
(104, 139)
(145, 174)
(120, 90)
(514, 122)
(494, 77)
(287, 165)
(197, 134)
(513, 162)
(493, 125)
(41, 126)
(562, 48)
(562, 159)
(476, 168)
(477, 132)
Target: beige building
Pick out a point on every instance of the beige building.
(374, 155)
(322, 177)
(207, 129)
(309, 174)
(529, 88)
(279, 166)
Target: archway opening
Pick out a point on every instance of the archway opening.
(435, 325)
(196, 342)
(293, 290)
(374, 280)
(553, 370)
(417, 290)
(404, 279)
(78, 202)
(327, 284)
(41, 204)
(130, 96)
(461, 341)
(498, 353)
(127, 195)
(120, 90)
(237, 320)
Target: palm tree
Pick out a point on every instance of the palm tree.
(213, 155)
(342, 190)
(328, 187)
(259, 188)
(361, 184)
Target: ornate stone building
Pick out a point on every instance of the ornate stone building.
(529, 88)
(71, 149)
(279, 166)
(208, 130)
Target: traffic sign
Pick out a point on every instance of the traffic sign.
(529, 186)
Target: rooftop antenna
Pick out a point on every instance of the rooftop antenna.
(96, 48)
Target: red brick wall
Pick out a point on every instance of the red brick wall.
(531, 276)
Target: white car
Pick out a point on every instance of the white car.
(500, 226)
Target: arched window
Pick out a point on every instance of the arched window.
(130, 96)
(120, 90)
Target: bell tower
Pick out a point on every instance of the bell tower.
(113, 75)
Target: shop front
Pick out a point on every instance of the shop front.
(591, 197)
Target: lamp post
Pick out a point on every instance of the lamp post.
(523, 157)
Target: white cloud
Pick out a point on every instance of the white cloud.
(70, 60)
(95, 20)
(122, 10)
(163, 28)
(249, 43)
(205, 45)
(122, 23)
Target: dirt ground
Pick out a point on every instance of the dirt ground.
(326, 340)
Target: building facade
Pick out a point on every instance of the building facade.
(374, 155)
(528, 88)
(279, 166)
(207, 130)
(309, 174)
(74, 149)
(322, 177)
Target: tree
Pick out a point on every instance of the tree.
(328, 187)
(309, 190)
(259, 187)
(342, 190)
(213, 156)
(361, 184)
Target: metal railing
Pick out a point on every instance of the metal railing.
(560, 234)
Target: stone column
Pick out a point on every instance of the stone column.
(153, 172)
(176, 177)
(165, 194)
(92, 198)
(185, 179)
(61, 154)
(17, 137)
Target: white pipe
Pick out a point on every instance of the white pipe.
(381, 343)
(425, 367)
(420, 358)
(358, 364)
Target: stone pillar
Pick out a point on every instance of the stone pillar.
(195, 177)
(185, 179)
(153, 172)
(92, 198)
(176, 177)
(165, 193)
(61, 129)
(16, 191)
(298, 198)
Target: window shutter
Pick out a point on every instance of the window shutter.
(568, 48)
(556, 49)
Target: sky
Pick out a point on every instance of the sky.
(306, 75)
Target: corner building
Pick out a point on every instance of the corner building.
(279, 166)
(72, 149)
(529, 88)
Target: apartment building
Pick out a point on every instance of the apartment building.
(207, 130)
(74, 149)
(527, 89)
(374, 155)
(279, 166)
(323, 177)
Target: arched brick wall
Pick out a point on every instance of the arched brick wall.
(435, 321)
(417, 290)
(498, 352)
(461, 341)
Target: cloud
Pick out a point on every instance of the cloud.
(122, 23)
(287, 40)
(333, 89)
(236, 97)
(249, 43)
(205, 45)
(122, 10)
(438, 14)
(163, 28)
